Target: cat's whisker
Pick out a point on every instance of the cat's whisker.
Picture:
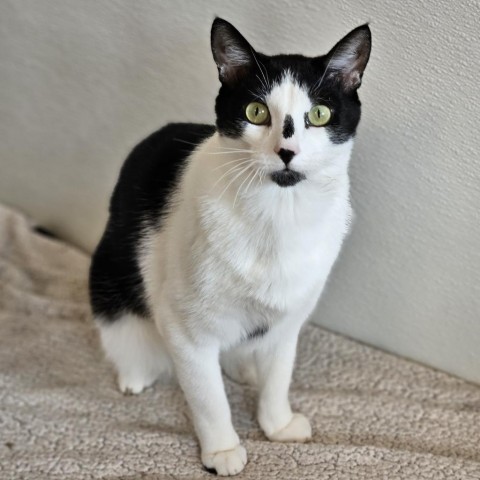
(232, 170)
(219, 151)
(260, 95)
(257, 171)
(240, 188)
(236, 150)
(263, 176)
(233, 148)
(223, 151)
(228, 149)
(231, 181)
(261, 71)
(185, 141)
(261, 81)
(240, 161)
(229, 152)
(264, 81)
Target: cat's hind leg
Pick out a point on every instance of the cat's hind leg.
(239, 365)
(136, 349)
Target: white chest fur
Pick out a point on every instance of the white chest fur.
(254, 257)
(278, 251)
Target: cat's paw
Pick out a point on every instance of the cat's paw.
(227, 462)
(129, 385)
(298, 430)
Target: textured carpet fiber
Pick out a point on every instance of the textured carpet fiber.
(374, 416)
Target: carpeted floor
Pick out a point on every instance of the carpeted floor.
(374, 416)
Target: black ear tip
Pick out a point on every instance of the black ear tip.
(216, 23)
(362, 35)
(219, 25)
(365, 30)
(220, 22)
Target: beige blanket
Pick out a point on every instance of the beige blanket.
(374, 416)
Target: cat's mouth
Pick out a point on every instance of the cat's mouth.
(287, 177)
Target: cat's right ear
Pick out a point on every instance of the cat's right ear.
(232, 53)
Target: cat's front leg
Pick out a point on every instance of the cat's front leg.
(198, 371)
(275, 361)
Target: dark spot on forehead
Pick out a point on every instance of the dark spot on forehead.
(288, 127)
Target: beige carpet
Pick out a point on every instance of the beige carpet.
(374, 416)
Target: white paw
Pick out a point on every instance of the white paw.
(298, 430)
(132, 385)
(227, 462)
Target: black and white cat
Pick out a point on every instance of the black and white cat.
(220, 239)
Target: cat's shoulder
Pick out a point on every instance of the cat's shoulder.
(151, 170)
(172, 143)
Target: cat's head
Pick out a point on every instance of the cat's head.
(298, 114)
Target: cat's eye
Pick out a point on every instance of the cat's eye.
(319, 115)
(257, 113)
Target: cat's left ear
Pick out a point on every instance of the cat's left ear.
(347, 60)
(232, 53)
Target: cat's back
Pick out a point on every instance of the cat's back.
(141, 196)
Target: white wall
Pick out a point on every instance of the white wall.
(83, 81)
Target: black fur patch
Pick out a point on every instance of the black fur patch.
(257, 333)
(288, 127)
(142, 192)
(287, 178)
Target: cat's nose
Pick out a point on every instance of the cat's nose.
(286, 155)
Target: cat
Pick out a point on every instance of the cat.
(220, 238)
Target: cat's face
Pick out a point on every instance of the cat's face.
(298, 115)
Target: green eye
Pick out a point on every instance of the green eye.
(257, 113)
(319, 115)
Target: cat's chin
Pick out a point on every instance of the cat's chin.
(287, 178)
